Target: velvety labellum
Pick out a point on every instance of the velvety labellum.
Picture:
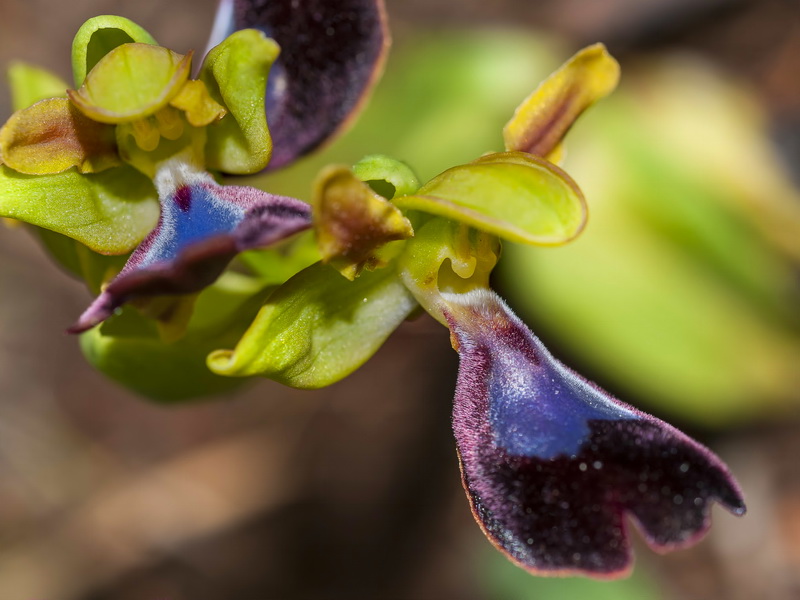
(331, 53)
(552, 464)
(201, 228)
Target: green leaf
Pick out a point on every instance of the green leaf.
(318, 327)
(235, 73)
(99, 36)
(30, 84)
(397, 176)
(131, 82)
(110, 212)
(129, 349)
(517, 196)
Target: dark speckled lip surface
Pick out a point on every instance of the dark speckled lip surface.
(552, 464)
(331, 53)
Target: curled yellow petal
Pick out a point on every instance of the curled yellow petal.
(543, 119)
(201, 109)
(51, 136)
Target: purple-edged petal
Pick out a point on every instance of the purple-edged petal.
(552, 464)
(202, 226)
(331, 54)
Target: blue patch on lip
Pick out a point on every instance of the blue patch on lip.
(191, 215)
(543, 411)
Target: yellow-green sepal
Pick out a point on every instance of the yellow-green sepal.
(387, 176)
(131, 82)
(110, 212)
(100, 35)
(235, 73)
(318, 327)
(514, 195)
(130, 349)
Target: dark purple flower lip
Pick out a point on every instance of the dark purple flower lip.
(202, 226)
(552, 464)
(331, 55)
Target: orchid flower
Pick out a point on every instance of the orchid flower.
(551, 464)
(123, 126)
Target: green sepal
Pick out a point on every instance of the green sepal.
(397, 177)
(29, 84)
(318, 327)
(131, 82)
(235, 73)
(446, 256)
(99, 36)
(110, 212)
(129, 347)
(517, 196)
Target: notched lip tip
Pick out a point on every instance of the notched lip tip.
(738, 510)
(603, 575)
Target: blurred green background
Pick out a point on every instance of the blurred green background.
(681, 298)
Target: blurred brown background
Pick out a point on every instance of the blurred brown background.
(351, 492)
